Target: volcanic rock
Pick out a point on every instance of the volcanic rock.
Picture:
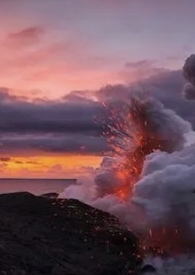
(50, 195)
(148, 268)
(62, 237)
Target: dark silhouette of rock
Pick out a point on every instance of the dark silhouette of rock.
(62, 237)
(50, 195)
(148, 268)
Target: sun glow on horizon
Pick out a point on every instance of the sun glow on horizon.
(49, 166)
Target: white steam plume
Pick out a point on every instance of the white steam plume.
(164, 195)
(166, 190)
(155, 121)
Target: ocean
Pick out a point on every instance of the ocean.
(34, 186)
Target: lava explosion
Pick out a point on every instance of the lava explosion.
(134, 134)
(147, 178)
(143, 128)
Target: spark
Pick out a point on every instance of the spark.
(131, 140)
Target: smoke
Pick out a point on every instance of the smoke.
(189, 74)
(147, 181)
(84, 190)
(166, 190)
(163, 193)
(189, 91)
(158, 123)
(189, 69)
(149, 127)
(163, 196)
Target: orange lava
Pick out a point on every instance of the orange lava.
(131, 140)
(166, 240)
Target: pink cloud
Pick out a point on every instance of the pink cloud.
(143, 69)
(25, 37)
(34, 59)
(55, 65)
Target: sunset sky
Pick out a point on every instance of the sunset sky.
(59, 59)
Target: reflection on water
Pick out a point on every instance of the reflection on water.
(34, 186)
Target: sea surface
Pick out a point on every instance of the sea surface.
(34, 186)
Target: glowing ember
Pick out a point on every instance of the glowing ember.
(165, 240)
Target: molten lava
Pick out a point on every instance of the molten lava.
(131, 138)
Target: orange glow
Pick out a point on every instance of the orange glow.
(131, 141)
(166, 239)
(49, 166)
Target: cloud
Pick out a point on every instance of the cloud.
(76, 144)
(18, 115)
(5, 159)
(142, 69)
(168, 87)
(73, 124)
(42, 59)
(25, 37)
(64, 126)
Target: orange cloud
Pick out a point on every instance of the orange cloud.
(49, 166)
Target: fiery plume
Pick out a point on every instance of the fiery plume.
(133, 134)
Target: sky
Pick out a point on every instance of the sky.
(61, 59)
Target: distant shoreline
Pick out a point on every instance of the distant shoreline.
(35, 186)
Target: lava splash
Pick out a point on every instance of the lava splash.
(142, 128)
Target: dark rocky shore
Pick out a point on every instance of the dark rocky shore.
(45, 235)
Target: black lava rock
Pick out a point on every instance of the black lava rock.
(148, 268)
(41, 235)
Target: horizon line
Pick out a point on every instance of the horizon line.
(39, 179)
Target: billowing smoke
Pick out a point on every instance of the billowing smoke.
(144, 127)
(147, 180)
(189, 69)
(189, 74)
(84, 190)
(189, 91)
(163, 197)
(166, 190)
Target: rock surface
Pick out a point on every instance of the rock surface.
(40, 235)
(50, 195)
(148, 268)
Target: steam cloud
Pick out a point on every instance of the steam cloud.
(164, 194)
(166, 190)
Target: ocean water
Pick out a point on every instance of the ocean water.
(34, 186)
